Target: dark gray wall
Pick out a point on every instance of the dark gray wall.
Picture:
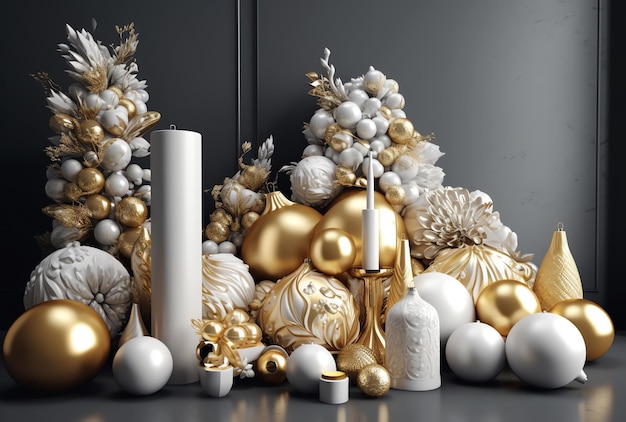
(515, 92)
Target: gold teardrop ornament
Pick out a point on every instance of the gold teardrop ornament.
(557, 277)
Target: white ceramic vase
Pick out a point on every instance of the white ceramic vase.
(216, 382)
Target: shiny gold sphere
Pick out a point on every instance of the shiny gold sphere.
(374, 380)
(278, 242)
(236, 316)
(56, 345)
(354, 357)
(237, 334)
(130, 106)
(332, 251)
(593, 322)
(254, 333)
(271, 366)
(400, 130)
(345, 212)
(502, 303)
(212, 330)
(89, 132)
(395, 195)
(62, 123)
(99, 205)
(127, 239)
(90, 180)
(204, 349)
(131, 211)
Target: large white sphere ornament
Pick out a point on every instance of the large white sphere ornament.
(449, 297)
(142, 365)
(546, 350)
(475, 352)
(305, 366)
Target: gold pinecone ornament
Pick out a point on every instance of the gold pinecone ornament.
(557, 278)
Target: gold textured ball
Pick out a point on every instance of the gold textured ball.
(131, 211)
(90, 132)
(593, 322)
(127, 239)
(62, 123)
(72, 192)
(271, 366)
(248, 219)
(332, 251)
(345, 212)
(502, 303)
(395, 195)
(374, 380)
(278, 242)
(354, 357)
(56, 345)
(400, 130)
(90, 180)
(99, 205)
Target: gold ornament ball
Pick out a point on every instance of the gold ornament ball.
(593, 322)
(212, 330)
(99, 205)
(236, 316)
(204, 349)
(237, 334)
(62, 123)
(395, 195)
(374, 380)
(248, 219)
(253, 332)
(90, 132)
(278, 242)
(90, 180)
(72, 192)
(127, 239)
(502, 303)
(130, 106)
(131, 211)
(56, 345)
(332, 251)
(354, 357)
(271, 366)
(400, 130)
(345, 212)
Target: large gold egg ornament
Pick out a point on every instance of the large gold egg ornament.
(278, 241)
(56, 345)
(333, 251)
(345, 212)
(593, 322)
(503, 303)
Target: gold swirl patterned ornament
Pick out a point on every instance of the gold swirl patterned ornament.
(226, 285)
(476, 266)
(141, 267)
(557, 277)
(307, 306)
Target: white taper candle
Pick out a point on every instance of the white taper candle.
(370, 230)
(176, 246)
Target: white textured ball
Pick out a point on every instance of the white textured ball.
(117, 155)
(313, 181)
(546, 350)
(142, 365)
(450, 298)
(475, 352)
(305, 366)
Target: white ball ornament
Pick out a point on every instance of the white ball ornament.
(351, 158)
(116, 184)
(475, 352)
(451, 299)
(311, 150)
(117, 155)
(142, 365)
(305, 366)
(371, 107)
(358, 96)
(406, 167)
(411, 193)
(209, 247)
(388, 179)
(347, 114)
(382, 125)
(546, 350)
(134, 173)
(54, 189)
(319, 122)
(366, 129)
(226, 247)
(70, 169)
(106, 232)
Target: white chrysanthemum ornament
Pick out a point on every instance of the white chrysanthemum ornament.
(101, 195)
(313, 181)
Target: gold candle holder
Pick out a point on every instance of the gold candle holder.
(372, 334)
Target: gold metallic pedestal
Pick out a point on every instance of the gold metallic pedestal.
(372, 334)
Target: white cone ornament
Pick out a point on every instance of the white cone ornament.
(546, 350)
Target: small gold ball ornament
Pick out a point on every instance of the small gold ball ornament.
(99, 205)
(400, 130)
(130, 106)
(90, 180)
(236, 316)
(271, 366)
(127, 239)
(395, 195)
(62, 123)
(332, 251)
(212, 330)
(354, 357)
(90, 132)
(374, 380)
(131, 211)
(72, 191)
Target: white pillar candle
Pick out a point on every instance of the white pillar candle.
(370, 225)
(176, 246)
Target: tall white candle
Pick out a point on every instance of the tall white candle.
(176, 246)
(370, 217)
